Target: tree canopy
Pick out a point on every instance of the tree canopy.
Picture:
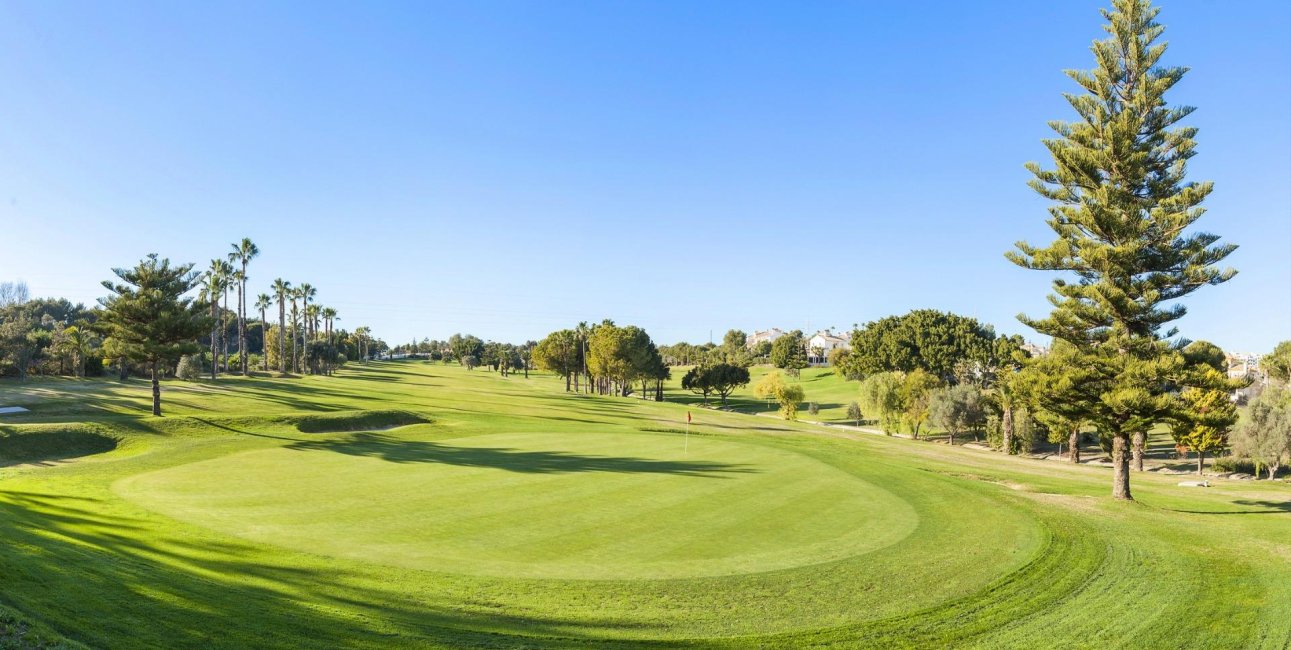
(924, 339)
(148, 319)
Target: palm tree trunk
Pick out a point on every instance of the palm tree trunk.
(224, 339)
(264, 339)
(282, 336)
(242, 325)
(215, 323)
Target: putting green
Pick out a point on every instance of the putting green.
(539, 505)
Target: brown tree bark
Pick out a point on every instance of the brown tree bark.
(1073, 441)
(1201, 462)
(1121, 467)
(156, 390)
(1006, 428)
(1139, 439)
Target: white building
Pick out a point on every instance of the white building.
(822, 343)
(756, 338)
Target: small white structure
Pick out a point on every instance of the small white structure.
(822, 343)
(756, 338)
(1034, 349)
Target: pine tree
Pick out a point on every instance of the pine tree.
(149, 320)
(1121, 210)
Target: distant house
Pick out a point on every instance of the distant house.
(756, 338)
(1035, 350)
(1242, 365)
(821, 344)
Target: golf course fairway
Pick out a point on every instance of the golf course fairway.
(419, 505)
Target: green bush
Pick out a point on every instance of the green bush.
(1234, 464)
(189, 368)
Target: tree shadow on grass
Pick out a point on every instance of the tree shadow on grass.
(110, 579)
(397, 450)
(1265, 507)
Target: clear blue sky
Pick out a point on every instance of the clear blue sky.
(508, 168)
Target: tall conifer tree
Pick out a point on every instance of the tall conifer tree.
(1121, 210)
(149, 320)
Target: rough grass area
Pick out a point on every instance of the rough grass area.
(504, 513)
(40, 443)
(19, 634)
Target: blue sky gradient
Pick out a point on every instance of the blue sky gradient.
(509, 168)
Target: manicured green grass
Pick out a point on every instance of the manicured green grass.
(420, 505)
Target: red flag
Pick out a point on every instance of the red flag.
(687, 417)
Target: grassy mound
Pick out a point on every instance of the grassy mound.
(37, 443)
(356, 421)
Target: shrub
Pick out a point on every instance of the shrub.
(190, 368)
(1234, 464)
(813, 408)
(854, 413)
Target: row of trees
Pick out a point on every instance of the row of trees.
(157, 313)
(604, 358)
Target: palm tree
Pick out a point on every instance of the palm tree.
(281, 290)
(307, 293)
(295, 329)
(231, 279)
(243, 252)
(213, 284)
(263, 303)
(329, 316)
(311, 335)
(79, 343)
(361, 337)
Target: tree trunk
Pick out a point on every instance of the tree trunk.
(215, 353)
(264, 341)
(1273, 470)
(1201, 462)
(566, 383)
(282, 337)
(1121, 466)
(1073, 441)
(123, 369)
(156, 391)
(1006, 428)
(1139, 439)
(224, 340)
(242, 328)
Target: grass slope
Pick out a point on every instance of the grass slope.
(418, 505)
